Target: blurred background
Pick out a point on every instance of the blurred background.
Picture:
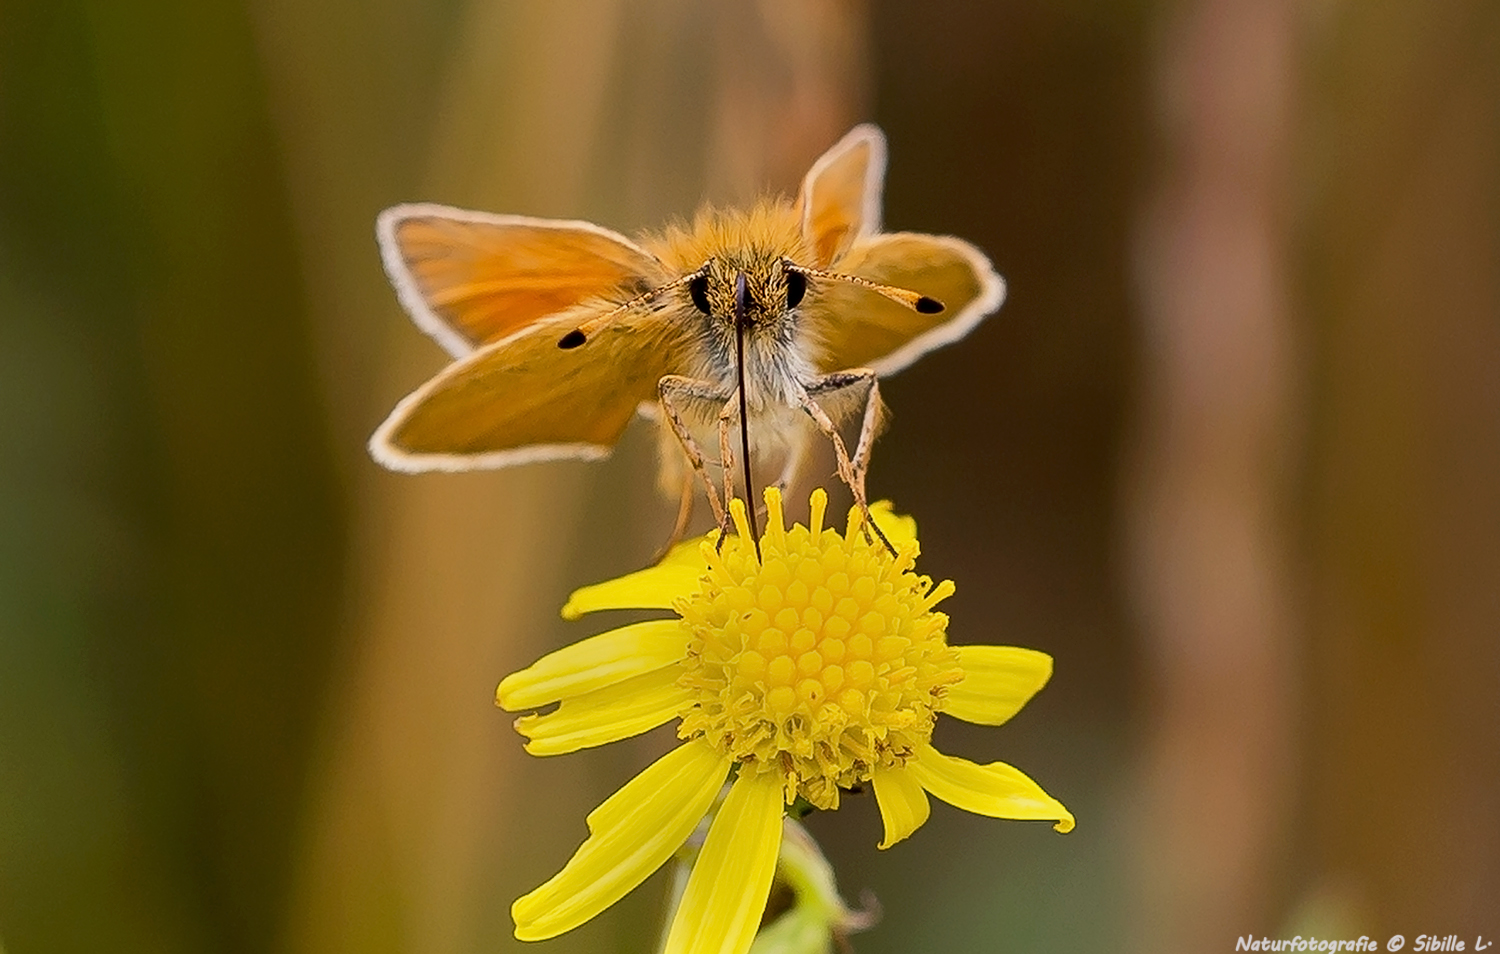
(1230, 452)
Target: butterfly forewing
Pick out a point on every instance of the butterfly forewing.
(840, 198)
(469, 278)
(524, 399)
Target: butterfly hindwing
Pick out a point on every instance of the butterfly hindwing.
(857, 328)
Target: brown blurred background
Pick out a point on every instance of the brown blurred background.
(1230, 452)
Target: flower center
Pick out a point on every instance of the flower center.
(823, 659)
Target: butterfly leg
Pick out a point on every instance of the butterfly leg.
(795, 457)
(676, 392)
(730, 413)
(726, 454)
(684, 508)
(841, 387)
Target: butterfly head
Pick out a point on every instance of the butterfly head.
(757, 292)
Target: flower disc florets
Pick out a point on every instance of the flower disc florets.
(822, 658)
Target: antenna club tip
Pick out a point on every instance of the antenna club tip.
(929, 306)
(572, 339)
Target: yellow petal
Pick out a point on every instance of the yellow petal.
(897, 529)
(594, 663)
(631, 834)
(687, 552)
(998, 681)
(653, 588)
(726, 894)
(903, 803)
(997, 790)
(606, 715)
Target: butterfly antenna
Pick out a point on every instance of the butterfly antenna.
(741, 295)
(586, 330)
(917, 302)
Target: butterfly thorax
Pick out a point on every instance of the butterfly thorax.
(741, 299)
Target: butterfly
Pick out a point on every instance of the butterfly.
(770, 324)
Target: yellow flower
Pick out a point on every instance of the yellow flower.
(815, 667)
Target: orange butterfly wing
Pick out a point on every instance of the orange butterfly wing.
(524, 399)
(856, 328)
(472, 278)
(840, 197)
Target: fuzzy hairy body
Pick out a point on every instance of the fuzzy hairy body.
(778, 350)
(781, 356)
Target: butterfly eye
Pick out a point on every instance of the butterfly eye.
(698, 288)
(796, 287)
